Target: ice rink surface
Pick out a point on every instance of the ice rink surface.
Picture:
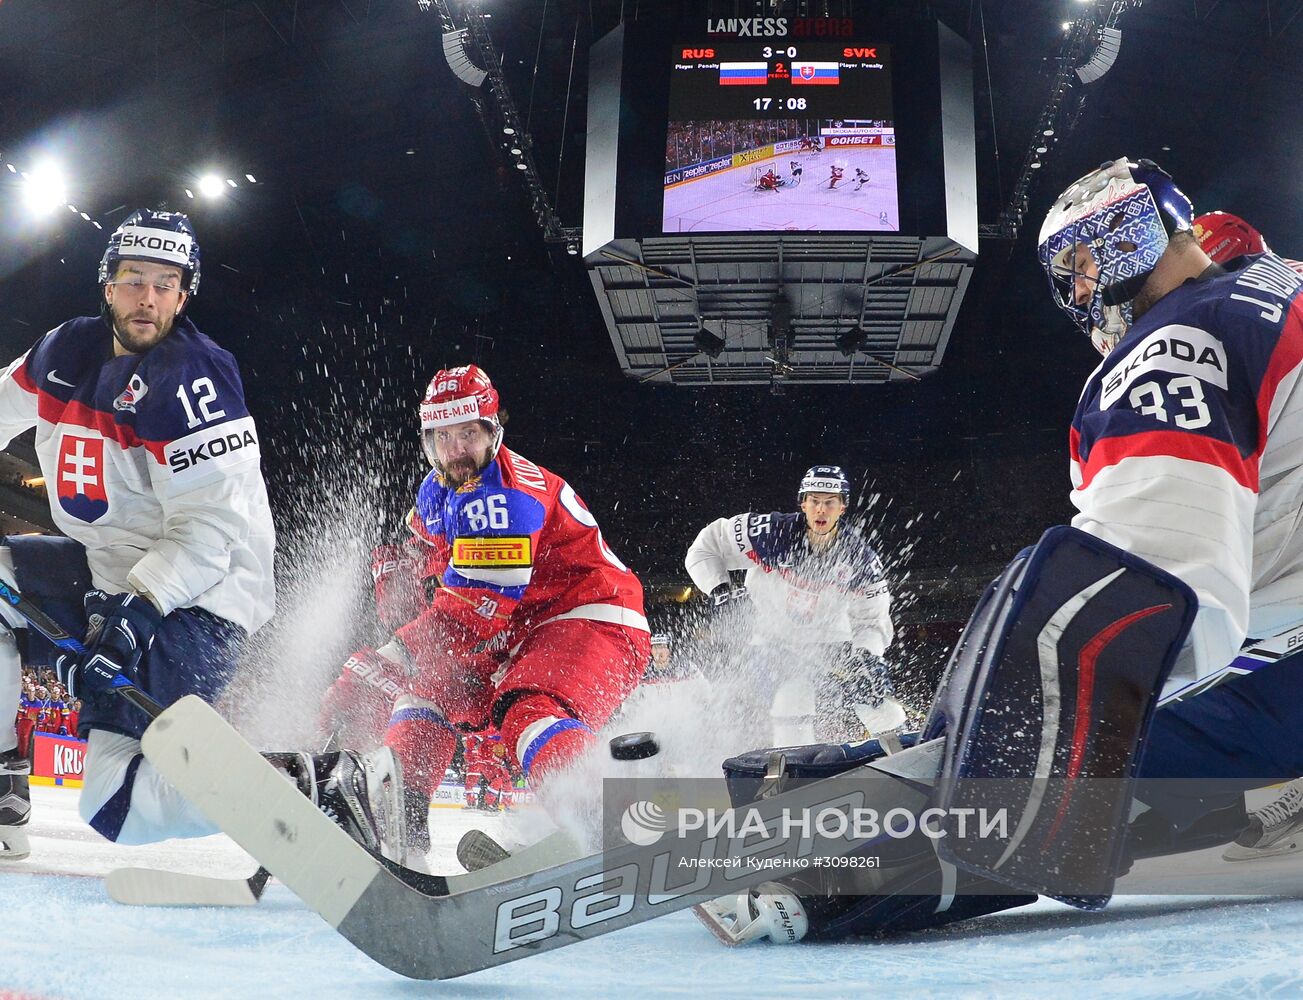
(66, 939)
(728, 202)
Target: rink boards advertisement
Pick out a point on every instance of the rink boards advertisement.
(57, 760)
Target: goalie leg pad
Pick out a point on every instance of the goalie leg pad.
(1046, 704)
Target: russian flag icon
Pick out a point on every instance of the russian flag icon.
(735, 74)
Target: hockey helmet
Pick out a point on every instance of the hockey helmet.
(1224, 237)
(825, 479)
(1123, 214)
(454, 396)
(161, 237)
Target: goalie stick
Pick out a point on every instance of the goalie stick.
(429, 927)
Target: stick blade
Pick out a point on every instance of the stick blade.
(151, 887)
(231, 783)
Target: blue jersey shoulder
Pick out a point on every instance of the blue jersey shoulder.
(68, 355)
(775, 537)
(184, 384)
(484, 508)
(1195, 362)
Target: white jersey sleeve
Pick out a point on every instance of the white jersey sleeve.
(870, 615)
(719, 547)
(17, 401)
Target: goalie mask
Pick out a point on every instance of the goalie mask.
(455, 396)
(1122, 215)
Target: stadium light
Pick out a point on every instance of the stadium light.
(44, 188)
(211, 186)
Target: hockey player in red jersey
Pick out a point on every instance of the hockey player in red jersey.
(835, 174)
(769, 181)
(536, 627)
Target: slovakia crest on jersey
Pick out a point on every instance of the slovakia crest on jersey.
(81, 478)
(132, 394)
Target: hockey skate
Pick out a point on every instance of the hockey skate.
(363, 793)
(1274, 829)
(416, 820)
(15, 805)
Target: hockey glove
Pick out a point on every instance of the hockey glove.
(869, 690)
(358, 704)
(399, 589)
(120, 630)
(726, 594)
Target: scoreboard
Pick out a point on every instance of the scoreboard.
(749, 79)
(780, 126)
(780, 136)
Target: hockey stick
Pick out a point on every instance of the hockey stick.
(64, 640)
(160, 887)
(428, 927)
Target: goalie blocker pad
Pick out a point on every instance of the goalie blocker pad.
(1045, 705)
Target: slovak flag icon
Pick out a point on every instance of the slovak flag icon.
(81, 477)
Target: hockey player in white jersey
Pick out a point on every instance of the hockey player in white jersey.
(822, 612)
(153, 469)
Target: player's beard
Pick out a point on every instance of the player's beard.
(138, 339)
(1149, 294)
(461, 470)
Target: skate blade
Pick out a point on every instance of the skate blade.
(1289, 845)
(14, 845)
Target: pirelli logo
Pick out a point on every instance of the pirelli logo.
(468, 552)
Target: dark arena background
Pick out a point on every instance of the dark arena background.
(567, 193)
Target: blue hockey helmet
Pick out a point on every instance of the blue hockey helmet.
(161, 237)
(1122, 214)
(825, 479)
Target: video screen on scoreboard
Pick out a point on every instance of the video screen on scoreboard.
(767, 137)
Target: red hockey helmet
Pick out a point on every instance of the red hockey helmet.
(1223, 236)
(454, 396)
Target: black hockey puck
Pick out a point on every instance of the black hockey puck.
(634, 746)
